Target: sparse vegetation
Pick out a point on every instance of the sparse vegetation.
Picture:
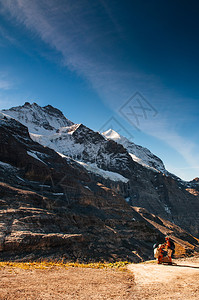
(121, 265)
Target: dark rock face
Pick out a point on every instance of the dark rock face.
(94, 148)
(164, 196)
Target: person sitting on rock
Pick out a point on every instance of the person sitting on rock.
(169, 248)
(160, 253)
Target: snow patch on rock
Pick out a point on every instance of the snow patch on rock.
(34, 155)
(106, 174)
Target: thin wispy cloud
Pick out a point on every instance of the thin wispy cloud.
(183, 146)
(69, 31)
(5, 85)
(5, 82)
(163, 129)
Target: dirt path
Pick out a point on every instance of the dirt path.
(179, 281)
(143, 281)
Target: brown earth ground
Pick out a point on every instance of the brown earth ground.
(141, 281)
(179, 281)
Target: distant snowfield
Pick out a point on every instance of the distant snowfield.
(60, 142)
(106, 174)
(34, 155)
(141, 162)
(94, 169)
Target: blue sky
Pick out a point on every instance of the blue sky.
(130, 64)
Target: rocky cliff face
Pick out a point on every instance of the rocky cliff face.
(72, 204)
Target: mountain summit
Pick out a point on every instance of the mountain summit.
(39, 120)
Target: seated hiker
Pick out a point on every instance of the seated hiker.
(155, 250)
(170, 246)
(159, 253)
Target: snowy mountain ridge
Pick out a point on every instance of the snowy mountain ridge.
(108, 151)
(140, 154)
(39, 120)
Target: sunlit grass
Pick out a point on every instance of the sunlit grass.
(121, 265)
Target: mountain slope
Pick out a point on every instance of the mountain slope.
(112, 161)
(51, 207)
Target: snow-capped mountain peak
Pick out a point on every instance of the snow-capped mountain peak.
(111, 134)
(39, 120)
(140, 154)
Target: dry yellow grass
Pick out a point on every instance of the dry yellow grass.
(52, 264)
